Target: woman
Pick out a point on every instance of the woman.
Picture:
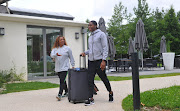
(61, 53)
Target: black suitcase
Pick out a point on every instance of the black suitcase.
(78, 84)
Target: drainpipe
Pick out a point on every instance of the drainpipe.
(83, 35)
(44, 53)
(83, 31)
(7, 7)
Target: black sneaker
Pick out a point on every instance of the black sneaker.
(65, 94)
(58, 97)
(95, 93)
(111, 97)
(89, 102)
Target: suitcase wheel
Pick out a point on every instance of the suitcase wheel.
(74, 102)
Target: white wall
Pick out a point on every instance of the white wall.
(76, 45)
(13, 48)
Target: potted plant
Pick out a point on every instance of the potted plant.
(168, 58)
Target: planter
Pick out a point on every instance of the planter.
(168, 60)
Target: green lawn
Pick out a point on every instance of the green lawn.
(117, 78)
(166, 98)
(26, 86)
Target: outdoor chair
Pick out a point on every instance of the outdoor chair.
(154, 62)
(110, 64)
(148, 63)
(177, 62)
(123, 65)
(140, 64)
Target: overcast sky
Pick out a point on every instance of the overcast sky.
(91, 9)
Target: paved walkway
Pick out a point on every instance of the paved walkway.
(146, 71)
(44, 100)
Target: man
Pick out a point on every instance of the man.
(97, 53)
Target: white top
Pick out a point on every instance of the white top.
(62, 62)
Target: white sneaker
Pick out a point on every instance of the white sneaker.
(89, 102)
(59, 97)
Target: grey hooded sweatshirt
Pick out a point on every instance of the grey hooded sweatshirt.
(97, 46)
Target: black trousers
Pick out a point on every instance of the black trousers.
(62, 76)
(93, 68)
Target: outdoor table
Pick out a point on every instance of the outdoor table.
(124, 62)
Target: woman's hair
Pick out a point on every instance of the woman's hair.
(94, 23)
(56, 43)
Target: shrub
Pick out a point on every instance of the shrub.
(10, 76)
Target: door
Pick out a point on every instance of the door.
(40, 41)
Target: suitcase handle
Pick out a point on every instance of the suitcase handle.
(80, 61)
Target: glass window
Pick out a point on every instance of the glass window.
(34, 51)
(35, 38)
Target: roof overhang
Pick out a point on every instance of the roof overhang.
(40, 13)
(29, 20)
(3, 1)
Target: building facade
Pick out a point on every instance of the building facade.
(27, 42)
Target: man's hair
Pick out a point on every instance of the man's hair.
(94, 22)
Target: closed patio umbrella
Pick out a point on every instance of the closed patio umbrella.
(112, 49)
(131, 46)
(102, 26)
(110, 39)
(141, 43)
(163, 45)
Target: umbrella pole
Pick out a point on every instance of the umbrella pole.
(142, 59)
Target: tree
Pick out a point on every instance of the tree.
(166, 24)
(172, 30)
(178, 15)
(158, 15)
(159, 30)
(142, 11)
(118, 30)
(156, 23)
